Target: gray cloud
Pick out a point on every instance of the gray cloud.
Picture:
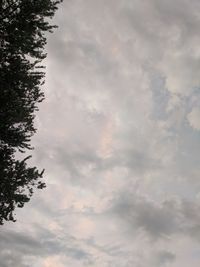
(158, 220)
(25, 248)
(118, 137)
(164, 257)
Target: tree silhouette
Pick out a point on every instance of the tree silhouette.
(23, 28)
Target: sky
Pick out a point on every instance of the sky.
(119, 138)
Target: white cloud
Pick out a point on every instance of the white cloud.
(194, 118)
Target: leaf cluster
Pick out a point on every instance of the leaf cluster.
(23, 28)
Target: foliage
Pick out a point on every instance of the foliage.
(23, 28)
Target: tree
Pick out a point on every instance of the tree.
(23, 28)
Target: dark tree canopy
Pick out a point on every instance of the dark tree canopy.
(23, 28)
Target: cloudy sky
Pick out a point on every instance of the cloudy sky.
(119, 137)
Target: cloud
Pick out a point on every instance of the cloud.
(165, 257)
(173, 217)
(116, 138)
(28, 248)
(194, 118)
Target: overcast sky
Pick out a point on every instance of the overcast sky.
(119, 137)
